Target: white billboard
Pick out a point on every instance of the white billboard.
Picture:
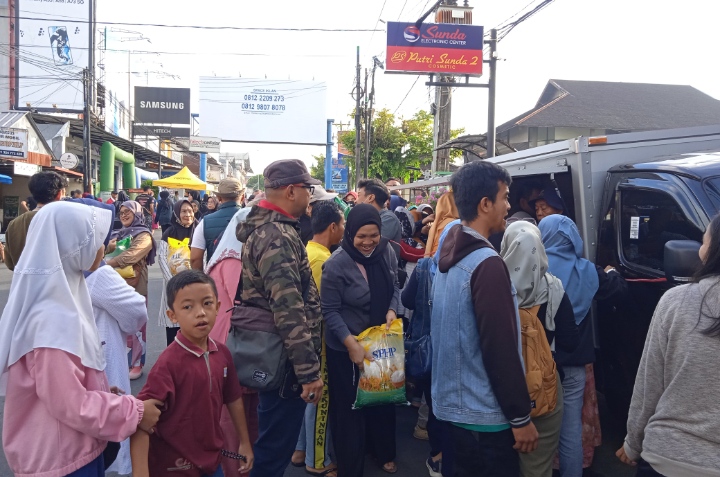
(53, 45)
(211, 145)
(263, 110)
(14, 143)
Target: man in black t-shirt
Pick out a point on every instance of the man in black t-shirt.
(146, 201)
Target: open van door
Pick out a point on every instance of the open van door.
(643, 212)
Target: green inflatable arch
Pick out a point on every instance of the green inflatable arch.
(108, 155)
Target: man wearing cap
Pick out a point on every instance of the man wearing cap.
(212, 226)
(306, 232)
(279, 294)
(549, 203)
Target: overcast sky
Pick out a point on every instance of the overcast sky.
(601, 40)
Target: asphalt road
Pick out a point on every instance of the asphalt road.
(411, 452)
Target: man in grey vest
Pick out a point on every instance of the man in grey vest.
(229, 195)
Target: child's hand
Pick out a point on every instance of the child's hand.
(151, 415)
(246, 450)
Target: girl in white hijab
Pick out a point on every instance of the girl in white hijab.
(526, 260)
(59, 413)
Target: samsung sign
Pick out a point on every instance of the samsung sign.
(162, 105)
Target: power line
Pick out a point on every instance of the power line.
(207, 27)
(187, 53)
(406, 95)
(402, 10)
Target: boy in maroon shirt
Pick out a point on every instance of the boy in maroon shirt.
(194, 377)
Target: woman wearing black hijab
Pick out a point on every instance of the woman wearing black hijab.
(181, 228)
(359, 290)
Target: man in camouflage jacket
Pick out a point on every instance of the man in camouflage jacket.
(276, 278)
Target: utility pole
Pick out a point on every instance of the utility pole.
(91, 87)
(448, 12)
(357, 117)
(490, 139)
(87, 143)
(366, 117)
(368, 134)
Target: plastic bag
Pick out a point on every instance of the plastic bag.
(382, 381)
(120, 246)
(178, 256)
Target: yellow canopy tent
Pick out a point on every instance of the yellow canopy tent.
(182, 180)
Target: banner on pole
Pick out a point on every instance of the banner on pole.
(340, 175)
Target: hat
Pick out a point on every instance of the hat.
(321, 194)
(287, 172)
(550, 195)
(230, 187)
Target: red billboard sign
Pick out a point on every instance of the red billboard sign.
(434, 48)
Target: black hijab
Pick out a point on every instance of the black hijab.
(379, 278)
(177, 230)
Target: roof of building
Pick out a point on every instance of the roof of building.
(618, 107)
(9, 118)
(100, 136)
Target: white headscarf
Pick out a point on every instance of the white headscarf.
(229, 246)
(49, 304)
(524, 254)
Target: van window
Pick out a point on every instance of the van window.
(712, 188)
(649, 220)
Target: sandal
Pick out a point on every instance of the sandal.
(389, 467)
(328, 472)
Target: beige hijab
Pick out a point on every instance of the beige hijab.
(526, 260)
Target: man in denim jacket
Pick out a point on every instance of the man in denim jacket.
(478, 380)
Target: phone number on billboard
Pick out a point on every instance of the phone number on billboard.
(264, 97)
(262, 107)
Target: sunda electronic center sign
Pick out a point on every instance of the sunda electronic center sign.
(434, 48)
(162, 105)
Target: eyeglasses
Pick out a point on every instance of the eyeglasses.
(126, 212)
(305, 186)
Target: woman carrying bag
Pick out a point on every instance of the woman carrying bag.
(360, 290)
(139, 256)
(180, 229)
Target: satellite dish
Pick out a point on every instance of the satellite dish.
(69, 160)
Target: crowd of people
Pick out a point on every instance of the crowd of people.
(262, 303)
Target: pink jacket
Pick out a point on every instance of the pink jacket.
(59, 415)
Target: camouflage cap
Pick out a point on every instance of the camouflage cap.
(286, 172)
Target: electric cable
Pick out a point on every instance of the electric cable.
(208, 27)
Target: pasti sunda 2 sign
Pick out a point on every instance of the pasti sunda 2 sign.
(434, 48)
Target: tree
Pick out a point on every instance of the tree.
(257, 182)
(402, 150)
(317, 170)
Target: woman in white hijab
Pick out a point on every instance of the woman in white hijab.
(526, 260)
(59, 413)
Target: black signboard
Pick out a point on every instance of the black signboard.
(162, 105)
(160, 131)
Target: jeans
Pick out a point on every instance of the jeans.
(486, 454)
(279, 422)
(570, 448)
(315, 438)
(645, 470)
(96, 468)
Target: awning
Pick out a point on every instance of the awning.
(63, 171)
(5, 179)
(182, 180)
